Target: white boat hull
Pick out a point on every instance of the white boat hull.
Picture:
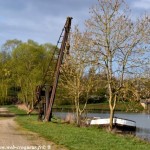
(120, 123)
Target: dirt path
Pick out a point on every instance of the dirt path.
(12, 136)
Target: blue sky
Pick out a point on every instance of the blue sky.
(43, 20)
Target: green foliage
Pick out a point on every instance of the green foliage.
(23, 66)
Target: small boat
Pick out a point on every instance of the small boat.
(118, 123)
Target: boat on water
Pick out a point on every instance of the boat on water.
(118, 123)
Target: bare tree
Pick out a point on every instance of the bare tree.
(118, 44)
(74, 71)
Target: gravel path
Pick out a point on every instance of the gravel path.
(12, 136)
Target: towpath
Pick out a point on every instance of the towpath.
(12, 136)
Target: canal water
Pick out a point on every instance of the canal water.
(142, 120)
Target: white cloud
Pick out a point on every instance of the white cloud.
(141, 4)
(43, 20)
(40, 20)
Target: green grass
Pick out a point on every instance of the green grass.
(76, 138)
(105, 106)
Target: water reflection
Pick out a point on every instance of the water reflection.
(142, 120)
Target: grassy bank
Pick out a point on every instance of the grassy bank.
(75, 138)
(121, 106)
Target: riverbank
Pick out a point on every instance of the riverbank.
(76, 138)
(121, 106)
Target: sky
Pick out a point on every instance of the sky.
(43, 20)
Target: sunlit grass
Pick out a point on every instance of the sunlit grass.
(76, 138)
(105, 106)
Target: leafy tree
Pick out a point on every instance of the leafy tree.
(29, 61)
(118, 44)
(10, 45)
(5, 75)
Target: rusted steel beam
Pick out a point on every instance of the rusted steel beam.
(57, 70)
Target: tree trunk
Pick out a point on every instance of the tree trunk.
(77, 116)
(77, 111)
(112, 105)
(111, 118)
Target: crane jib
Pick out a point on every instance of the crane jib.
(50, 92)
(57, 71)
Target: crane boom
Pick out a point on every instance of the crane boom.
(57, 70)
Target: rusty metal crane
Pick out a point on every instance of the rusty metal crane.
(52, 91)
(57, 71)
